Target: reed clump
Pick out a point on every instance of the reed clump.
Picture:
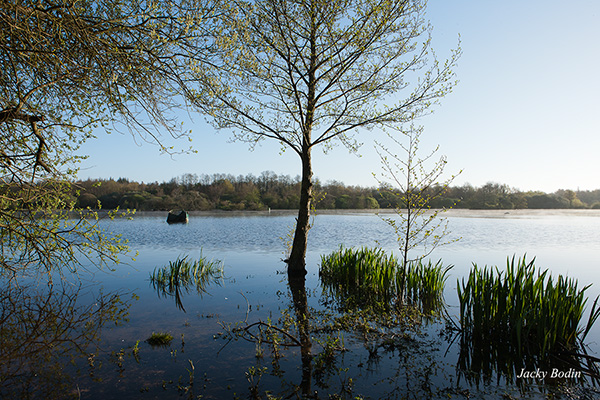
(368, 277)
(522, 310)
(185, 274)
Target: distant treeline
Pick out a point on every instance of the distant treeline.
(269, 190)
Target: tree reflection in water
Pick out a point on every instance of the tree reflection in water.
(324, 370)
(298, 288)
(43, 329)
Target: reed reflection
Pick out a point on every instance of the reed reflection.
(183, 275)
(524, 326)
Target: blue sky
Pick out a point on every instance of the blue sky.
(525, 112)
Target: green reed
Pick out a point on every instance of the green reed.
(524, 310)
(186, 274)
(364, 277)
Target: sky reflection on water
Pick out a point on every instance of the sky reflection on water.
(255, 288)
(567, 242)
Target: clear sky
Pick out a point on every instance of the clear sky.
(525, 112)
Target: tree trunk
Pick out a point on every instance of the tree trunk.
(296, 262)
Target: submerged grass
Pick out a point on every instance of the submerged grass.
(159, 339)
(370, 277)
(186, 274)
(523, 309)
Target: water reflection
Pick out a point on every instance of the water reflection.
(483, 362)
(184, 275)
(298, 288)
(45, 329)
(523, 326)
(321, 352)
(384, 360)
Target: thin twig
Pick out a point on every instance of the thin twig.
(261, 324)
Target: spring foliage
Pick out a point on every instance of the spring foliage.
(415, 185)
(312, 73)
(67, 68)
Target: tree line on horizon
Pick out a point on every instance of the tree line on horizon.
(194, 192)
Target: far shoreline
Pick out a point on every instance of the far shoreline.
(450, 213)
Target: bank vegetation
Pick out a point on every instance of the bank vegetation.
(271, 191)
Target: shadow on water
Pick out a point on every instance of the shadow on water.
(303, 343)
(283, 336)
(44, 329)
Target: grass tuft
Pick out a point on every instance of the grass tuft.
(160, 339)
(370, 277)
(523, 309)
(186, 274)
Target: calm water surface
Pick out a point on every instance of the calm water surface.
(251, 246)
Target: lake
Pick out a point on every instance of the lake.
(206, 359)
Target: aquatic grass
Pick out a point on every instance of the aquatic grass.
(523, 309)
(425, 284)
(160, 339)
(370, 277)
(186, 274)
